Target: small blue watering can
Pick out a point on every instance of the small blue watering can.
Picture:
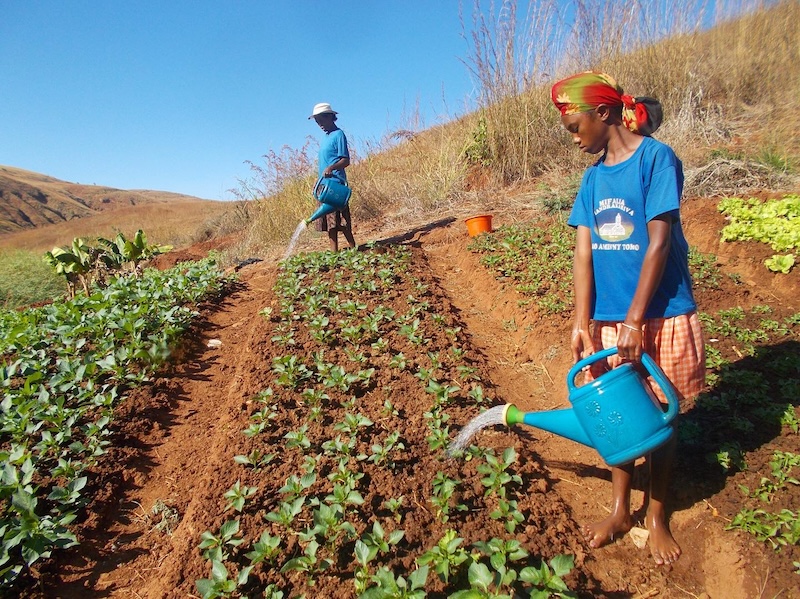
(332, 195)
(617, 414)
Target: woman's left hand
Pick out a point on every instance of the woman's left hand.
(629, 343)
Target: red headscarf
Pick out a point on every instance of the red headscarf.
(586, 91)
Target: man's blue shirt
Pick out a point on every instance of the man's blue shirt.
(333, 147)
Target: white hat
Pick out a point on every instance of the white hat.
(322, 108)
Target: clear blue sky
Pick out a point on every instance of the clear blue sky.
(175, 95)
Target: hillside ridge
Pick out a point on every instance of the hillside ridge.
(29, 200)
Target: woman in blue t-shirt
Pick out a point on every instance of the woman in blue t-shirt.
(631, 273)
(334, 157)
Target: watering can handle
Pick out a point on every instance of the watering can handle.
(316, 188)
(652, 368)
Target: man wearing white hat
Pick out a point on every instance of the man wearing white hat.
(334, 157)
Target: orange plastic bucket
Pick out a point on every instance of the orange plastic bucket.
(479, 224)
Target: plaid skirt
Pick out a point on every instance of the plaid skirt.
(675, 344)
(338, 220)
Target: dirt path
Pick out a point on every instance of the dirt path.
(174, 442)
(175, 433)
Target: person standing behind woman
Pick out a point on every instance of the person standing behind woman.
(631, 273)
(334, 157)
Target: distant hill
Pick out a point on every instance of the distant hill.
(30, 200)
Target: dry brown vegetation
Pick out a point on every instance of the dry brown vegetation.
(730, 95)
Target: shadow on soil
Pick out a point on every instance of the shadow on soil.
(412, 236)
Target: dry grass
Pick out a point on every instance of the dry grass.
(733, 87)
(702, 78)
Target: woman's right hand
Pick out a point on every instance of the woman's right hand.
(582, 345)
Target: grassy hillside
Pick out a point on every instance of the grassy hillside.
(730, 95)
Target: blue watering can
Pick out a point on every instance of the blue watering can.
(332, 195)
(617, 414)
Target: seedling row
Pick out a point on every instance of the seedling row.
(63, 367)
(342, 482)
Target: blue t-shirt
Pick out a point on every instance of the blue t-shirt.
(616, 203)
(333, 147)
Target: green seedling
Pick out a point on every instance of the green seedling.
(352, 423)
(352, 334)
(778, 529)
(364, 555)
(398, 361)
(411, 332)
(338, 446)
(729, 457)
(329, 525)
(297, 486)
(237, 495)
(441, 393)
(313, 400)
(309, 465)
(439, 439)
(255, 459)
(343, 495)
(266, 549)
(380, 345)
(287, 512)
(425, 374)
(388, 409)
(481, 582)
(446, 556)
(501, 553)
(508, 512)
(387, 586)
(393, 504)
(298, 439)
(290, 371)
(782, 464)
(365, 376)
(308, 563)
(495, 471)
(213, 546)
(548, 581)
(338, 378)
(378, 542)
(350, 403)
(219, 585)
(443, 489)
(476, 394)
(319, 331)
(381, 452)
(789, 418)
(452, 332)
(261, 420)
(467, 373)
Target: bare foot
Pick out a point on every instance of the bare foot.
(663, 547)
(602, 533)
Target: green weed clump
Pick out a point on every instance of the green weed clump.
(26, 280)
